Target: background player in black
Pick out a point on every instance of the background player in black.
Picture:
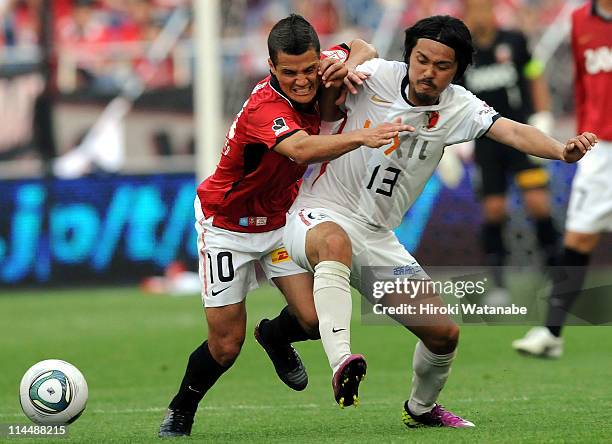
(506, 77)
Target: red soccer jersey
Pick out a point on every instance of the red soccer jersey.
(592, 50)
(253, 186)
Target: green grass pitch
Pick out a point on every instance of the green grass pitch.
(132, 349)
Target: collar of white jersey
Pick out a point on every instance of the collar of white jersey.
(435, 107)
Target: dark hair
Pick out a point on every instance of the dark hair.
(292, 35)
(447, 30)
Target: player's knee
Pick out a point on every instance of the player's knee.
(336, 246)
(226, 350)
(444, 340)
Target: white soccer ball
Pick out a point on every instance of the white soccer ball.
(53, 392)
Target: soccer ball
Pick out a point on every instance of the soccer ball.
(53, 392)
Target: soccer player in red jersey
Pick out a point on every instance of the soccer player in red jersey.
(590, 206)
(241, 207)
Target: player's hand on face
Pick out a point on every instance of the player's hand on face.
(384, 133)
(578, 146)
(332, 72)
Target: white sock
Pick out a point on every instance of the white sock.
(430, 372)
(332, 299)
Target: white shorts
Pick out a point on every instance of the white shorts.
(590, 205)
(227, 260)
(371, 247)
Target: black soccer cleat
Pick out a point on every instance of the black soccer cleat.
(287, 362)
(176, 423)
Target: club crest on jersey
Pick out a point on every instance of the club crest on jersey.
(432, 119)
(280, 126)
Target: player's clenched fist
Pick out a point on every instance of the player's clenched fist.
(578, 146)
(384, 133)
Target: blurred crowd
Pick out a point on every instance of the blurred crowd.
(336, 16)
(83, 21)
(248, 22)
(98, 39)
(99, 46)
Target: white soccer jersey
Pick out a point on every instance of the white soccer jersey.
(378, 186)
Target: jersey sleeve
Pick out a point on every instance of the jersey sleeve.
(272, 123)
(384, 76)
(475, 117)
(338, 52)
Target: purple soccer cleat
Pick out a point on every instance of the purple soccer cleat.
(437, 417)
(346, 380)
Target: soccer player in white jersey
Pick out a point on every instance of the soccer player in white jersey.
(347, 208)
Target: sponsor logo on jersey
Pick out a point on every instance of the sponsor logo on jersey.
(279, 255)
(252, 221)
(598, 60)
(486, 109)
(280, 126)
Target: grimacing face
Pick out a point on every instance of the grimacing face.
(431, 68)
(297, 75)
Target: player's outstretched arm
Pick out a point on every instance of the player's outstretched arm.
(530, 140)
(304, 149)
